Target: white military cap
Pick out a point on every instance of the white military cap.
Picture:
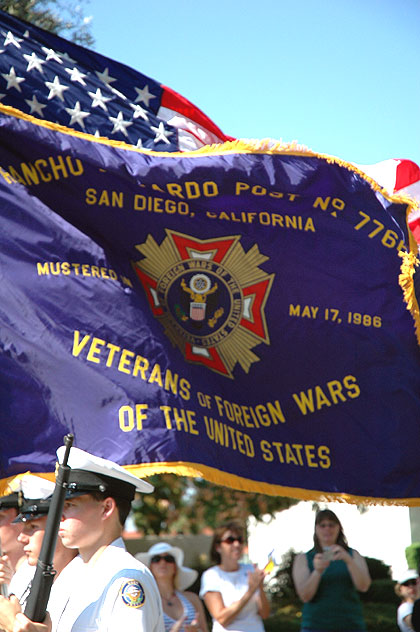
(91, 473)
(37, 492)
(26, 486)
(36, 487)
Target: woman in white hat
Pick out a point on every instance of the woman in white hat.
(182, 610)
(407, 589)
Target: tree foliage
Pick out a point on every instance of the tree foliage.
(63, 17)
(186, 505)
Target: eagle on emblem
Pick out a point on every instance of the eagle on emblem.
(199, 289)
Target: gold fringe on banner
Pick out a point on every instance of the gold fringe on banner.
(213, 475)
(406, 279)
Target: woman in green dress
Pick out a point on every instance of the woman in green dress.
(328, 578)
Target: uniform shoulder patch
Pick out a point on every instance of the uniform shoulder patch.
(132, 594)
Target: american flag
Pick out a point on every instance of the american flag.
(399, 176)
(53, 79)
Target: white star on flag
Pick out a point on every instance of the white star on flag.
(56, 89)
(144, 95)
(35, 106)
(34, 62)
(160, 133)
(105, 77)
(77, 115)
(76, 75)
(13, 80)
(98, 99)
(11, 39)
(139, 111)
(119, 124)
(51, 54)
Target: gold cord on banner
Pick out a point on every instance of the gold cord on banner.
(213, 475)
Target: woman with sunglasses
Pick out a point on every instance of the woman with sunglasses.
(233, 592)
(328, 579)
(406, 588)
(182, 610)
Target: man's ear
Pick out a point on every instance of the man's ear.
(109, 506)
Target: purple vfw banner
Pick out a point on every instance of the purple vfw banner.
(236, 313)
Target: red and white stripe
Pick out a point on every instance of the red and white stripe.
(399, 176)
(195, 129)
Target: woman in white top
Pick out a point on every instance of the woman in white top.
(407, 589)
(233, 592)
(182, 610)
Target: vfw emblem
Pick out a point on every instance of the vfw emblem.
(209, 295)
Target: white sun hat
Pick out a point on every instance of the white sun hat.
(185, 576)
(407, 575)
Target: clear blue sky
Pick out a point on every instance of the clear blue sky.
(340, 76)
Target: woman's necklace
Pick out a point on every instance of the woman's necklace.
(169, 600)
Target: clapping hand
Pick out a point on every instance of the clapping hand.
(255, 578)
(188, 627)
(193, 626)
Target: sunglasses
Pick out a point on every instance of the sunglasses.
(411, 582)
(168, 558)
(231, 539)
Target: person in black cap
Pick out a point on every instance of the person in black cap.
(33, 517)
(25, 487)
(31, 522)
(111, 590)
(11, 551)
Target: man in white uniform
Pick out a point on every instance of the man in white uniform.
(110, 590)
(33, 507)
(104, 588)
(32, 518)
(13, 562)
(11, 551)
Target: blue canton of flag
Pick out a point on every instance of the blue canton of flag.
(50, 78)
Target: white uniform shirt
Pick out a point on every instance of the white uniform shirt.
(21, 582)
(115, 593)
(231, 586)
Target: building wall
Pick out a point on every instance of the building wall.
(379, 532)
